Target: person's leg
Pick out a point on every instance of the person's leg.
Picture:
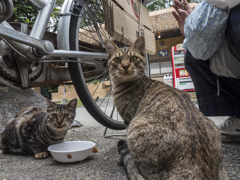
(217, 96)
(227, 103)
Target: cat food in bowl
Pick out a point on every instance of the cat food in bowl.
(71, 151)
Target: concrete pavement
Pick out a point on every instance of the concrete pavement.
(101, 165)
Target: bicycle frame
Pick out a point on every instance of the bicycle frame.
(40, 25)
(33, 48)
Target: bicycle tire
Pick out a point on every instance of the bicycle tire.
(80, 84)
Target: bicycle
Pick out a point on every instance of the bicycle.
(27, 60)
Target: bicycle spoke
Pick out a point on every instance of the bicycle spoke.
(90, 80)
(88, 48)
(96, 89)
(90, 71)
(93, 64)
(113, 109)
(104, 34)
(108, 102)
(91, 35)
(94, 14)
(104, 98)
(92, 20)
(111, 116)
(100, 75)
(97, 63)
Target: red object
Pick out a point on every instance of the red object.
(181, 78)
(134, 10)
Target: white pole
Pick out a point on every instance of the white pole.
(140, 19)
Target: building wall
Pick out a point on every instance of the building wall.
(167, 45)
(163, 20)
(163, 65)
(71, 93)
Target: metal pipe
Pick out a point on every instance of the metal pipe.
(77, 54)
(39, 3)
(140, 18)
(6, 9)
(42, 20)
(6, 24)
(63, 26)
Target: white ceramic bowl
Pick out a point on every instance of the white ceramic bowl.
(71, 151)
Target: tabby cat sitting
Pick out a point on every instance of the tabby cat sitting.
(167, 136)
(33, 130)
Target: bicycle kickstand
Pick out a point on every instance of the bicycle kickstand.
(108, 136)
(105, 131)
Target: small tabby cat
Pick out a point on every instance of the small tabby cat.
(33, 130)
(167, 136)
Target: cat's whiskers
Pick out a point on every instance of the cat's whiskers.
(107, 77)
(142, 74)
(139, 71)
(140, 78)
(114, 74)
(113, 71)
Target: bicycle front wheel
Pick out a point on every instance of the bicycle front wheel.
(91, 78)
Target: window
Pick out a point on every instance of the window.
(155, 68)
(166, 67)
(161, 66)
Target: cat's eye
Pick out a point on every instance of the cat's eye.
(133, 59)
(66, 115)
(117, 60)
(54, 115)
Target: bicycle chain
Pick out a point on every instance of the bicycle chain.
(13, 74)
(32, 76)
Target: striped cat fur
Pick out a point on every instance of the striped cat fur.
(168, 138)
(33, 129)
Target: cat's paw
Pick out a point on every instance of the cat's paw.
(41, 155)
(122, 144)
(122, 147)
(120, 161)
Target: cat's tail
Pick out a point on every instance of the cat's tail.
(130, 167)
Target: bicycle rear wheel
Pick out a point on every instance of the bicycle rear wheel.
(87, 34)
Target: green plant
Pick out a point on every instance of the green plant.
(25, 12)
(94, 82)
(79, 103)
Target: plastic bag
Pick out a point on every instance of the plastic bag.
(223, 4)
(223, 63)
(204, 30)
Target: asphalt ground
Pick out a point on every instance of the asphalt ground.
(101, 165)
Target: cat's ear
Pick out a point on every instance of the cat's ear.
(139, 44)
(73, 104)
(111, 47)
(49, 103)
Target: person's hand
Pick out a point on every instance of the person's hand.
(183, 11)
